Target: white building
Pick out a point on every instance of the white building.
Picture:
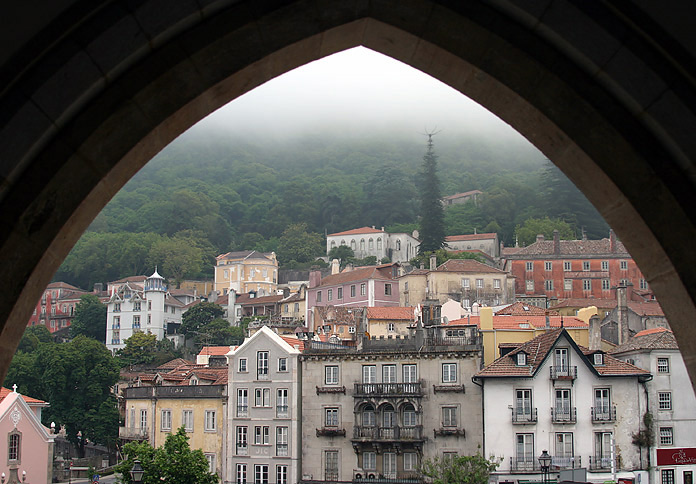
(263, 436)
(672, 404)
(146, 307)
(551, 395)
(369, 241)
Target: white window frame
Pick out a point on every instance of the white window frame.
(548, 265)
(662, 364)
(331, 375)
(449, 372)
(282, 365)
(242, 366)
(410, 461)
(567, 266)
(166, 419)
(664, 400)
(210, 423)
(449, 416)
(187, 419)
(666, 436)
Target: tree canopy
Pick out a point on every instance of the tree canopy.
(464, 469)
(299, 245)
(140, 349)
(89, 318)
(200, 315)
(527, 232)
(432, 215)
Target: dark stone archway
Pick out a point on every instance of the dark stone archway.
(90, 91)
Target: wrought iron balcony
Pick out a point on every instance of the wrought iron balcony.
(524, 464)
(388, 433)
(242, 410)
(388, 389)
(600, 463)
(524, 415)
(566, 462)
(564, 372)
(603, 414)
(242, 449)
(282, 411)
(331, 432)
(564, 415)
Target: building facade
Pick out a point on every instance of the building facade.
(369, 241)
(486, 243)
(56, 307)
(246, 271)
(263, 436)
(581, 406)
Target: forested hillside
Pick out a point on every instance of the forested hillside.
(209, 193)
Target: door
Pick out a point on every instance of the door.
(562, 407)
(561, 361)
(523, 405)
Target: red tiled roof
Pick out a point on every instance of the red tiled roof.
(463, 194)
(574, 247)
(244, 254)
(214, 350)
(391, 313)
(4, 392)
(646, 308)
(646, 332)
(292, 341)
(519, 322)
(245, 299)
(467, 265)
(175, 363)
(361, 230)
(140, 279)
(64, 285)
(359, 274)
(649, 339)
(524, 309)
(458, 238)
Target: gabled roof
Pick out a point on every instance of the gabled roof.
(649, 339)
(245, 299)
(361, 230)
(359, 274)
(4, 392)
(524, 309)
(573, 247)
(215, 350)
(391, 313)
(460, 238)
(265, 331)
(467, 265)
(137, 279)
(64, 285)
(175, 363)
(244, 254)
(538, 350)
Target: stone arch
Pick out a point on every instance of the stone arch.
(605, 96)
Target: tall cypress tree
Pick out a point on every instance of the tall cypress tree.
(432, 215)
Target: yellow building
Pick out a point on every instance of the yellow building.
(246, 271)
(502, 333)
(190, 396)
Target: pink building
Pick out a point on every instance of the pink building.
(28, 445)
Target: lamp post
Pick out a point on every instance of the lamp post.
(137, 472)
(545, 464)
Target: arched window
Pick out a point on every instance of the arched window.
(398, 244)
(362, 245)
(333, 244)
(388, 420)
(371, 244)
(343, 242)
(352, 245)
(368, 416)
(379, 243)
(409, 416)
(14, 447)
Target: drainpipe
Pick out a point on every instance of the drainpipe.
(483, 414)
(647, 409)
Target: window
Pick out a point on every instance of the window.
(564, 449)
(369, 374)
(282, 402)
(521, 359)
(530, 266)
(136, 306)
(262, 435)
(598, 358)
(369, 461)
(282, 364)
(242, 365)
(387, 289)
(410, 373)
(388, 373)
(623, 282)
(409, 416)
(136, 322)
(262, 397)
(602, 404)
(187, 420)
(479, 283)
(666, 437)
(352, 291)
(548, 284)
(242, 440)
(282, 474)
(390, 327)
(166, 420)
(351, 329)
(331, 417)
(603, 449)
(567, 266)
(567, 284)
(449, 416)
(318, 296)
(149, 305)
(585, 265)
(143, 419)
(623, 265)
(667, 476)
(331, 375)
(586, 284)
(281, 441)
(14, 447)
(339, 293)
(210, 421)
(663, 365)
(529, 285)
(410, 461)
(331, 465)
(262, 364)
(362, 245)
(562, 410)
(261, 474)
(548, 265)
(606, 284)
(496, 283)
(379, 243)
(523, 404)
(242, 402)
(664, 400)
(449, 373)
(352, 245)
(363, 289)
(329, 295)
(643, 284)
(524, 451)
(389, 465)
(117, 307)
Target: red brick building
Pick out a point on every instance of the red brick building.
(56, 307)
(565, 269)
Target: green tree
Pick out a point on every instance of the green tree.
(342, 253)
(299, 245)
(90, 318)
(140, 349)
(432, 217)
(218, 332)
(465, 469)
(177, 257)
(173, 462)
(199, 315)
(33, 336)
(527, 232)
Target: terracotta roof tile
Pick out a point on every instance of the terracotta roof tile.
(526, 322)
(215, 350)
(458, 238)
(359, 274)
(649, 339)
(175, 363)
(243, 299)
(524, 309)
(4, 392)
(574, 247)
(391, 313)
(361, 230)
(467, 265)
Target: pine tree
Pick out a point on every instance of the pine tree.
(432, 215)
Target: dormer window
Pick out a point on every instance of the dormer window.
(521, 358)
(598, 358)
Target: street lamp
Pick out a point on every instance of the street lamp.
(545, 463)
(137, 472)
(2, 478)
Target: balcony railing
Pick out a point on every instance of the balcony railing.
(600, 463)
(603, 414)
(242, 410)
(282, 411)
(387, 389)
(132, 433)
(388, 433)
(566, 462)
(242, 449)
(524, 416)
(262, 374)
(281, 450)
(564, 415)
(564, 372)
(524, 464)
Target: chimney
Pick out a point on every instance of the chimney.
(556, 242)
(98, 287)
(540, 238)
(335, 267)
(584, 234)
(548, 321)
(612, 241)
(433, 262)
(595, 333)
(314, 278)
(486, 319)
(622, 313)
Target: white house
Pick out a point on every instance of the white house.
(672, 404)
(369, 241)
(146, 307)
(263, 438)
(582, 406)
